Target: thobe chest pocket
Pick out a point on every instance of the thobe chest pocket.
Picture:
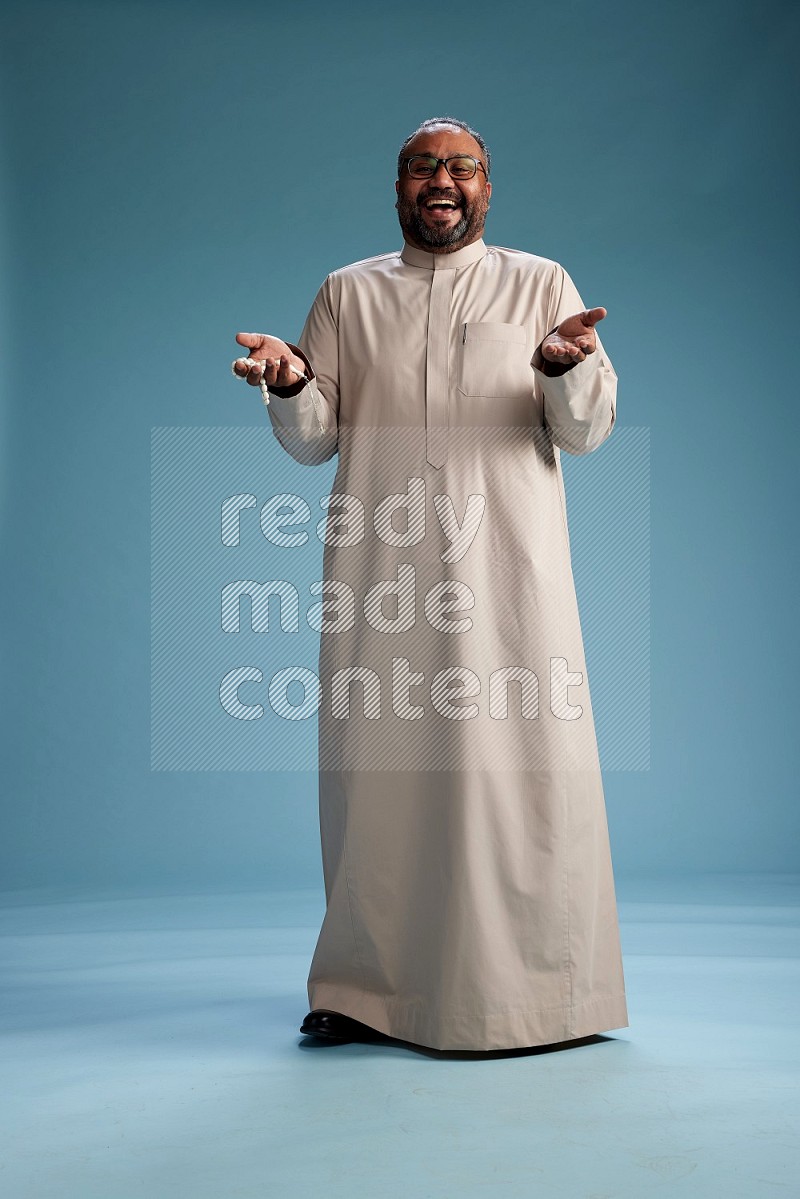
(492, 360)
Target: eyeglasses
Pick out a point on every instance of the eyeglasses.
(460, 166)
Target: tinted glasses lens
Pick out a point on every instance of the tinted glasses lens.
(423, 167)
(461, 168)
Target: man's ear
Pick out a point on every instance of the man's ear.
(397, 186)
(488, 190)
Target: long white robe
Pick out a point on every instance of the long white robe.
(465, 851)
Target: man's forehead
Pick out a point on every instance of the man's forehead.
(444, 139)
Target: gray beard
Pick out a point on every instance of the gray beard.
(412, 221)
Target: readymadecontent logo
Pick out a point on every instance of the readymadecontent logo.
(444, 606)
(296, 626)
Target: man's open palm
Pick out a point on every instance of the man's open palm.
(276, 356)
(574, 338)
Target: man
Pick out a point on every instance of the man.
(468, 879)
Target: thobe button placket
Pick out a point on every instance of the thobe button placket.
(437, 380)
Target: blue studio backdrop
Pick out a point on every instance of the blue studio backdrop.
(176, 172)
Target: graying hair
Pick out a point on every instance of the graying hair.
(433, 122)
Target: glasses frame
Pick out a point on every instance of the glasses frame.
(445, 161)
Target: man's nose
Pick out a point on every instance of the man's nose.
(441, 177)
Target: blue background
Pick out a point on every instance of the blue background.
(175, 172)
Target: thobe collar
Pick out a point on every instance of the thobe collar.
(443, 262)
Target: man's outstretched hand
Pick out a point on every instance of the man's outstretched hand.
(573, 339)
(276, 356)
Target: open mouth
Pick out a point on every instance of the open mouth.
(440, 209)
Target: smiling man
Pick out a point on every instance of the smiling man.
(442, 204)
(468, 879)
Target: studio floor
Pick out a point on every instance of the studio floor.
(151, 1049)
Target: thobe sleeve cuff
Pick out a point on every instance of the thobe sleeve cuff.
(301, 419)
(580, 402)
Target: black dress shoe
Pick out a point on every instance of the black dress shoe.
(333, 1026)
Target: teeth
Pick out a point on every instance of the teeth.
(435, 203)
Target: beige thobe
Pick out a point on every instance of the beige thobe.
(465, 851)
